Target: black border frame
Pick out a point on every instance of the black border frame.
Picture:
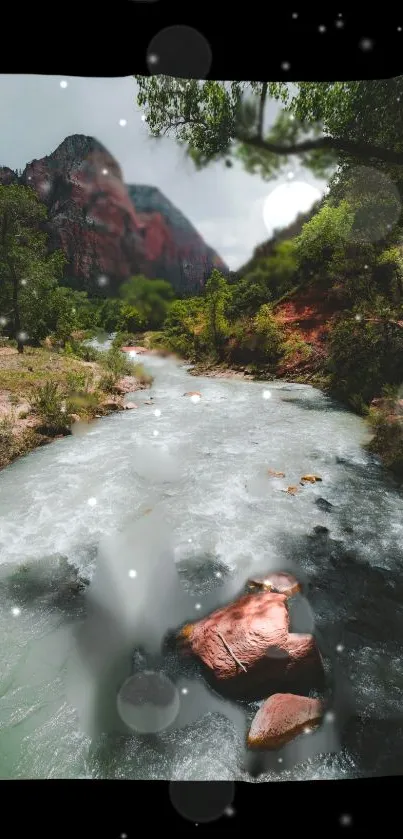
(86, 40)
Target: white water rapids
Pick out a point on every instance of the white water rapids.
(190, 484)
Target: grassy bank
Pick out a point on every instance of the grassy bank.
(44, 391)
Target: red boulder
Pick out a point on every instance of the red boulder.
(247, 649)
(282, 718)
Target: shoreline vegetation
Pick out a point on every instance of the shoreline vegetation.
(47, 392)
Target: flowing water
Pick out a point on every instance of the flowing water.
(178, 493)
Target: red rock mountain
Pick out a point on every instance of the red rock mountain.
(108, 229)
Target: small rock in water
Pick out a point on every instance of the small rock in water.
(274, 474)
(290, 490)
(130, 405)
(310, 479)
(279, 582)
(324, 505)
(320, 530)
(282, 718)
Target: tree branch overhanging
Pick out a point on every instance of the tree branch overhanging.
(351, 147)
(359, 149)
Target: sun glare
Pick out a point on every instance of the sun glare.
(283, 204)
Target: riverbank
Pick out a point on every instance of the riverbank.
(80, 391)
(230, 371)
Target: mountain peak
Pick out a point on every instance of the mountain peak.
(112, 230)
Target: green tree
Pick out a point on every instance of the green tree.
(269, 335)
(185, 326)
(366, 353)
(389, 273)
(28, 274)
(109, 312)
(217, 295)
(150, 298)
(270, 278)
(327, 253)
(130, 319)
(68, 311)
(323, 123)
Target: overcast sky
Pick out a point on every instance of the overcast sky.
(225, 205)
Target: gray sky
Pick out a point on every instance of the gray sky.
(225, 205)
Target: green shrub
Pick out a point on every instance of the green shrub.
(269, 336)
(107, 382)
(77, 380)
(364, 357)
(84, 352)
(84, 404)
(48, 403)
(295, 345)
(117, 362)
(185, 327)
(155, 341)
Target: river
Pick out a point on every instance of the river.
(178, 491)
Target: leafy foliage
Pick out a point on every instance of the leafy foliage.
(217, 295)
(364, 356)
(323, 122)
(185, 328)
(28, 274)
(387, 441)
(117, 362)
(270, 278)
(146, 303)
(48, 402)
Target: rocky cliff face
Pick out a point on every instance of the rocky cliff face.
(107, 230)
(172, 247)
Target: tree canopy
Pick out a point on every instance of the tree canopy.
(147, 299)
(323, 123)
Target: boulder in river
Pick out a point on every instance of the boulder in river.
(324, 505)
(320, 530)
(130, 406)
(247, 650)
(192, 393)
(282, 718)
